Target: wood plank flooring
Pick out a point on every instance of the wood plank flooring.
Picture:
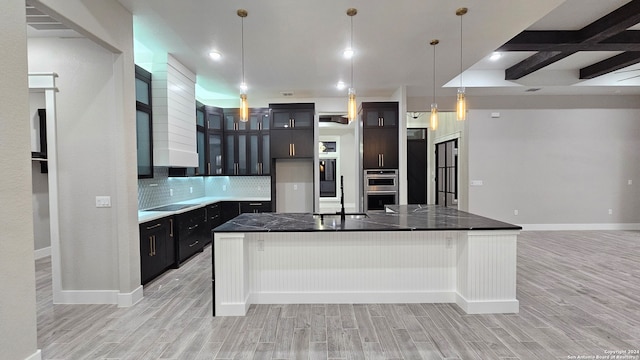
(579, 295)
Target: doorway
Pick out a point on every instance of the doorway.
(447, 173)
(417, 166)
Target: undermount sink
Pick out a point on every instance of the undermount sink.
(337, 215)
(172, 207)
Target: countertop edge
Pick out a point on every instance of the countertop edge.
(146, 216)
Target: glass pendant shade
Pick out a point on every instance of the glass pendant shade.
(461, 106)
(244, 107)
(351, 105)
(433, 119)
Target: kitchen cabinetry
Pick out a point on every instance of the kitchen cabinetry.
(191, 233)
(231, 209)
(380, 114)
(380, 135)
(157, 248)
(291, 130)
(214, 148)
(214, 217)
(246, 143)
(144, 137)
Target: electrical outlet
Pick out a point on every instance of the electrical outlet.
(515, 212)
(190, 189)
(629, 182)
(295, 186)
(170, 192)
(449, 243)
(260, 245)
(224, 187)
(610, 211)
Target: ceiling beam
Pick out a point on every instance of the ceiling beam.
(611, 64)
(599, 31)
(568, 41)
(534, 63)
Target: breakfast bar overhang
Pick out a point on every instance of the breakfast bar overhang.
(407, 254)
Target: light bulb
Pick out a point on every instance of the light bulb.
(433, 119)
(351, 105)
(244, 108)
(461, 105)
(348, 53)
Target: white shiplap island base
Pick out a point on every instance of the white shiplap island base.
(345, 263)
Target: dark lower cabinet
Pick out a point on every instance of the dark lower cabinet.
(191, 233)
(157, 248)
(231, 209)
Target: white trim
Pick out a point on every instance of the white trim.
(348, 297)
(35, 356)
(88, 297)
(488, 307)
(42, 253)
(232, 309)
(556, 227)
(132, 298)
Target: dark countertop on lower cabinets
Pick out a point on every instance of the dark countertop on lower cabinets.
(395, 218)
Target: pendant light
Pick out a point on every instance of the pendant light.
(433, 119)
(461, 103)
(244, 105)
(351, 105)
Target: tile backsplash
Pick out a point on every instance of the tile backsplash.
(163, 190)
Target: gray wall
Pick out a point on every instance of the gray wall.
(17, 273)
(556, 166)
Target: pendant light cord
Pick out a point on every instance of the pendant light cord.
(434, 73)
(461, 51)
(242, 47)
(351, 46)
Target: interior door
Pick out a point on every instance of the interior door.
(417, 166)
(447, 173)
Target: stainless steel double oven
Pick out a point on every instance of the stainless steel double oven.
(380, 189)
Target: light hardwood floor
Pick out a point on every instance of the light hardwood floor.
(579, 295)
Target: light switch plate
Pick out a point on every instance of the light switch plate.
(103, 201)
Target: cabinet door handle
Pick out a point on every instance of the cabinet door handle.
(289, 149)
(193, 227)
(294, 149)
(208, 168)
(171, 227)
(194, 244)
(151, 245)
(154, 226)
(382, 158)
(378, 160)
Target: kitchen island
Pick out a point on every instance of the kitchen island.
(407, 254)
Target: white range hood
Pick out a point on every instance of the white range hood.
(174, 114)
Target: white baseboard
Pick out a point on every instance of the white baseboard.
(232, 309)
(88, 297)
(563, 227)
(352, 297)
(35, 356)
(42, 253)
(488, 307)
(130, 299)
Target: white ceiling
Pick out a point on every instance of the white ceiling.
(296, 45)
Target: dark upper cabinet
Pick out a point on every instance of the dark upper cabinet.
(292, 143)
(291, 130)
(380, 114)
(380, 135)
(214, 141)
(288, 116)
(380, 148)
(157, 248)
(144, 130)
(246, 144)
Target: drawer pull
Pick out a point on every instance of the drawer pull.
(151, 245)
(154, 226)
(171, 227)
(255, 204)
(193, 227)
(194, 244)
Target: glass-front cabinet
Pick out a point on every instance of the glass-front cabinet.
(144, 139)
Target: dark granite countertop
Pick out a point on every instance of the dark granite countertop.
(396, 218)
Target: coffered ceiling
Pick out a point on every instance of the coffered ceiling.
(295, 47)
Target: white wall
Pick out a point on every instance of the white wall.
(99, 247)
(557, 166)
(18, 339)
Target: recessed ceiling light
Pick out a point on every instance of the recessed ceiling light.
(348, 53)
(215, 55)
(495, 56)
(341, 85)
